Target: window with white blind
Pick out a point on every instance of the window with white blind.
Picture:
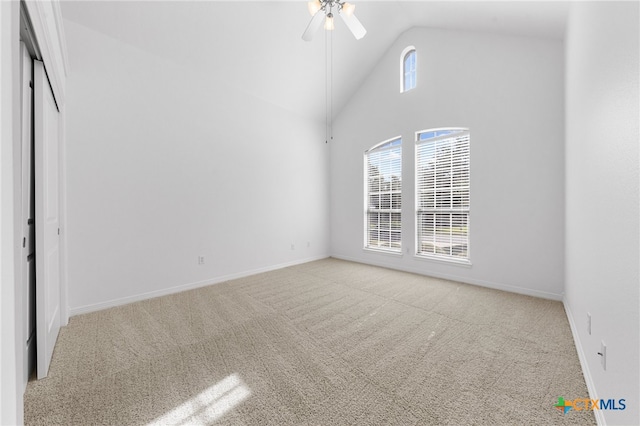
(383, 189)
(442, 193)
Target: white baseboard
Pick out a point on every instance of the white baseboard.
(183, 287)
(583, 361)
(481, 283)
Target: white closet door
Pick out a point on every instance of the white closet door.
(27, 219)
(46, 143)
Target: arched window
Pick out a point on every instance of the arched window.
(383, 196)
(408, 69)
(442, 193)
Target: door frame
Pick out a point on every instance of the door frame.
(11, 393)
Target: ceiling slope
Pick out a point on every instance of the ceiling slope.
(256, 46)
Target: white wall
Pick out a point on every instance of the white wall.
(602, 205)
(10, 295)
(167, 162)
(509, 92)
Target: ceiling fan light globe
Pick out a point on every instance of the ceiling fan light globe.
(328, 23)
(348, 8)
(314, 6)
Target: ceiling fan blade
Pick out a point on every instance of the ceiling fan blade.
(313, 26)
(354, 25)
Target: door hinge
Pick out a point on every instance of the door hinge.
(24, 242)
(58, 231)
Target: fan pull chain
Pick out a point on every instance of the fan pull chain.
(331, 89)
(328, 92)
(328, 79)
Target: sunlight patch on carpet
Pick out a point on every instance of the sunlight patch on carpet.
(208, 406)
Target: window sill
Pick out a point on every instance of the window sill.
(454, 262)
(385, 252)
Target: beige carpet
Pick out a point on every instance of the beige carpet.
(324, 343)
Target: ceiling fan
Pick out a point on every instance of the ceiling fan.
(325, 10)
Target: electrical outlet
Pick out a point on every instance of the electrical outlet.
(200, 260)
(603, 355)
(308, 244)
(589, 323)
(293, 246)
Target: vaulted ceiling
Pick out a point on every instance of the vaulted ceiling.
(256, 46)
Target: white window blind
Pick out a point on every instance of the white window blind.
(443, 196)
(383, 169)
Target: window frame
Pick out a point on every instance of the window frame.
(456, 132)
(406, 52)
(380, 147)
